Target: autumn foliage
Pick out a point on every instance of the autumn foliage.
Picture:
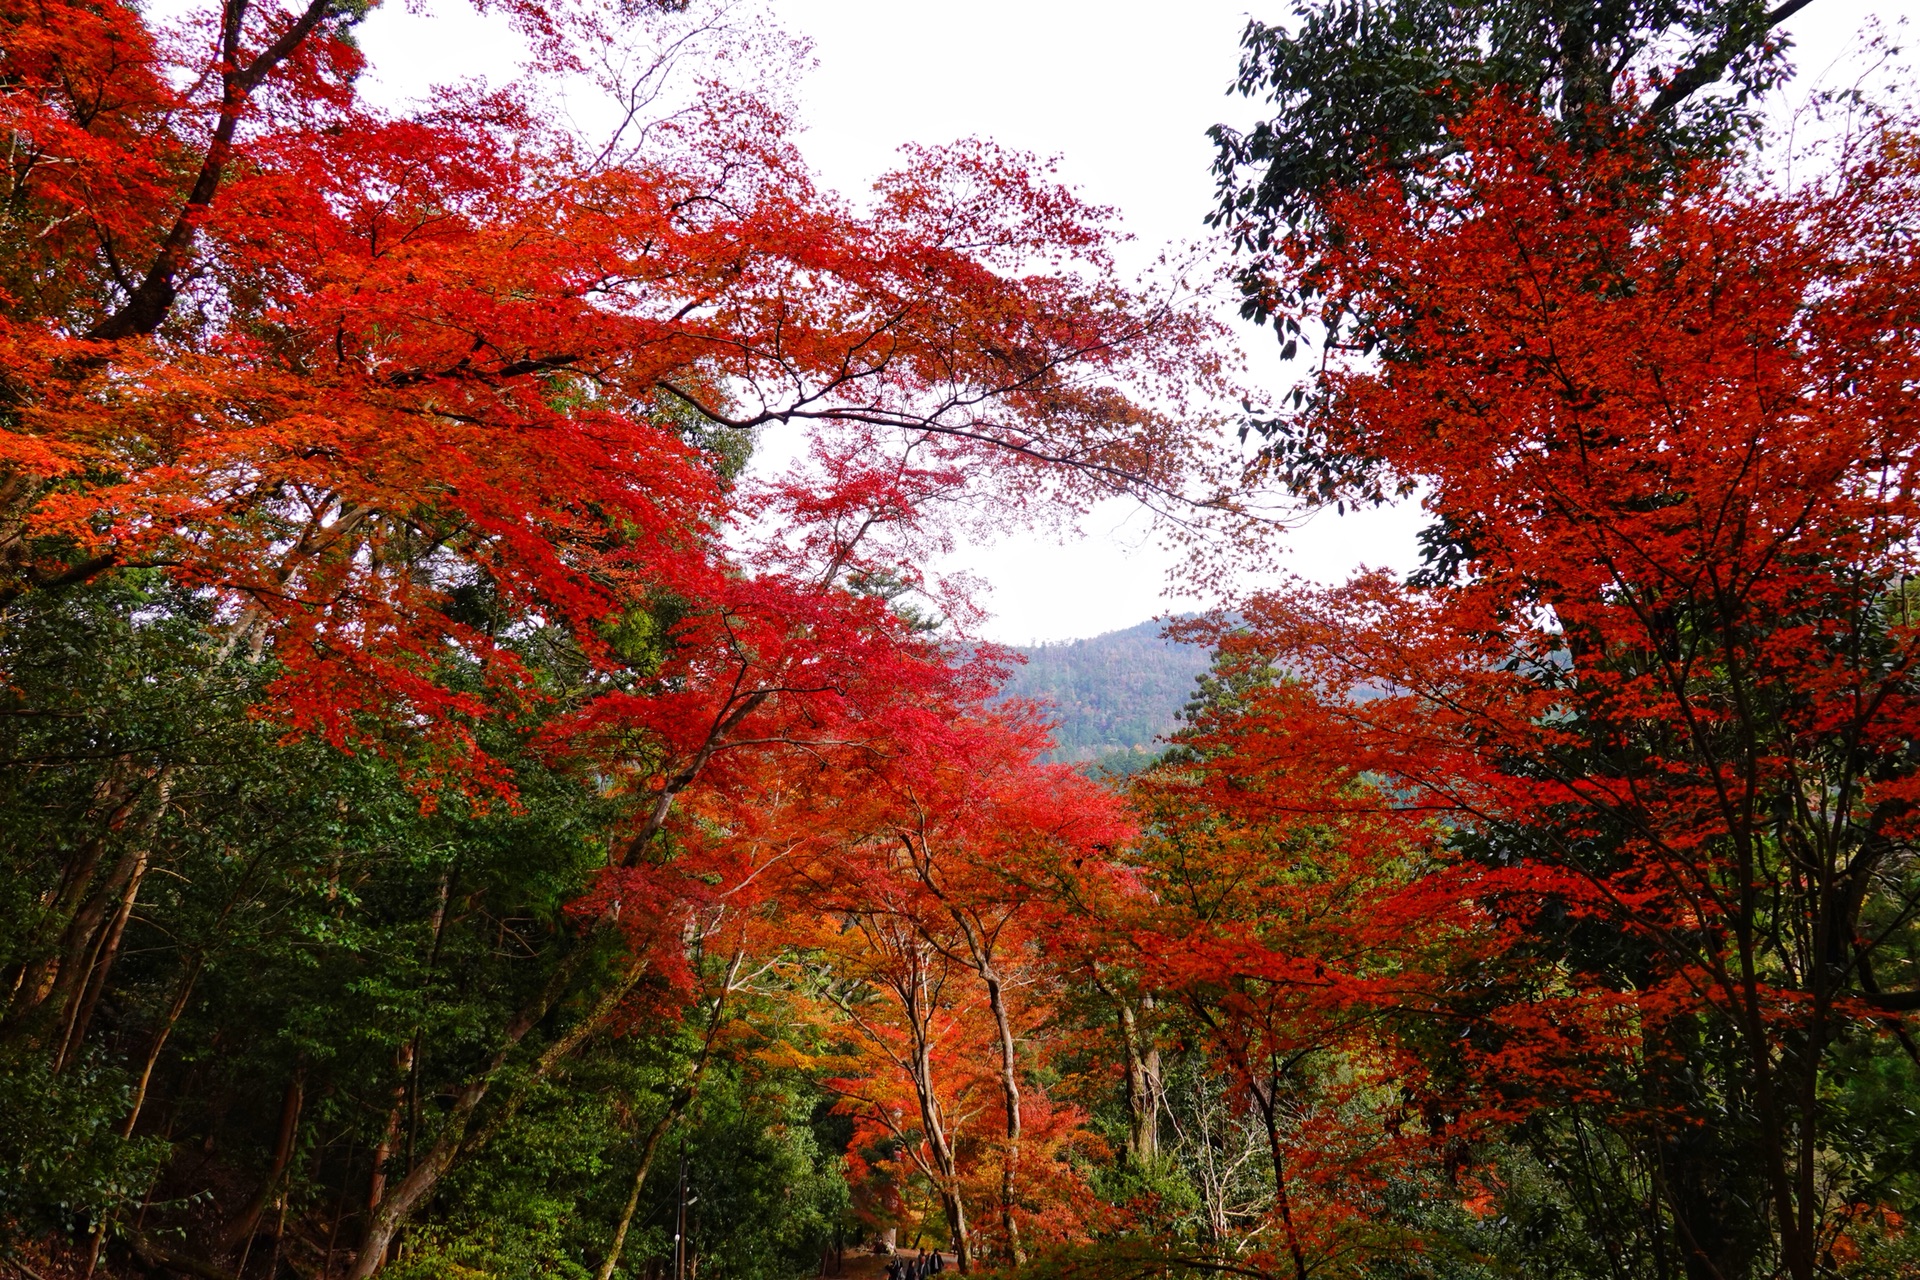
(1642, 724)
(483, 715)
(346, 369)
(440, 420)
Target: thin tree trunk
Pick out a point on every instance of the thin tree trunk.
(100, 966)
(1010, 1096)
(1143, 1089)
(681, 1099)
(115, 799)
(1269, 1103)
(279, 1238)
(90, 937)
(980, 947)
(383, 1151)
(633, 1198)
(240, 1230)
(937, 1140)
(178, 1007)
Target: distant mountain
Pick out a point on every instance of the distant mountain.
(1115, 693)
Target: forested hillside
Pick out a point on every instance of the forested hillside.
(1117, 692)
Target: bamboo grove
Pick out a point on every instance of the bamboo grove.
(491, 776)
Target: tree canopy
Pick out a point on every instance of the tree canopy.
(472, 808)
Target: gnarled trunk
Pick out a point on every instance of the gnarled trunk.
(1143, 1089)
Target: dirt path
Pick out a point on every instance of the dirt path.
(869, 1266)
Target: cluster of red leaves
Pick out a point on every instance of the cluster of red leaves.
(1306, 925)
(1675, 444)
(945, 891)
(415, 357)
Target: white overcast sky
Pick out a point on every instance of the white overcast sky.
(1122, 92)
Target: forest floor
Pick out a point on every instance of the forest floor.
(70, 1265)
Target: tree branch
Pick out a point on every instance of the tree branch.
(1738, 39)
(148, 306)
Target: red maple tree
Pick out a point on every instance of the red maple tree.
(909, 898)
(1656, 682)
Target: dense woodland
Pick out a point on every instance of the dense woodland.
(1112, 697)
(459, 807)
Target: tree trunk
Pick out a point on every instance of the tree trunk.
(385, 1222)
(1143, 1089)
(956, 1214)
(240, 1229)
(675, 1106)
(92, 940)
(942, 1149)
(100, 965)
(980, 946)
(647, 1153)
(1010, 1096)
(1268, 1104)
(115, 799)
(396, 1113)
